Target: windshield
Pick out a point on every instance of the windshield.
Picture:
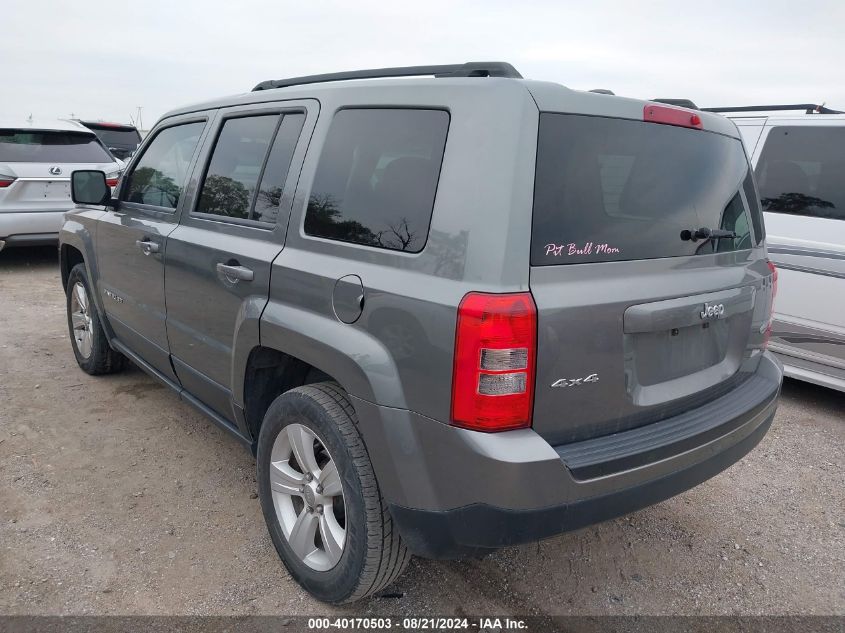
(615, 189)
(27, 146)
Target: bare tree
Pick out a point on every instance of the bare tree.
(398, 236)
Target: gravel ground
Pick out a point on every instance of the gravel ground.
(116, 498)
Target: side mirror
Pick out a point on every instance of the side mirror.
(89, 187)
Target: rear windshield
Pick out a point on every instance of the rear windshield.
(26, 146)
(801, 171)
(614, 189)
(122, 137)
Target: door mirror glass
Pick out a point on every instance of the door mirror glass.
(89, 187)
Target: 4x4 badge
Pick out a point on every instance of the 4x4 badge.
(575, 382)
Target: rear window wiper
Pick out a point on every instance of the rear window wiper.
(706, 234)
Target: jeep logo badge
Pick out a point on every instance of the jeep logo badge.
(55, 170)
(712, 311)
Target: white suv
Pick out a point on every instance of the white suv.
(798, 153)
(36, 160)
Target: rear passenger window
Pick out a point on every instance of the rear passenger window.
(801, 171)
(232, 175)
(159, 176)
(276, 170)
(250, 150)
(377, 177)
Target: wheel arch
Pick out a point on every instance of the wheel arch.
(69, 256)
(76, 246)
(268, 374)
(299, 347)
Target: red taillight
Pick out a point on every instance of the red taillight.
(495, 357)
(112, 182)
(5, 181)
(768, 332)
(774, 270)
(672, 116)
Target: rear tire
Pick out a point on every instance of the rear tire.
(373, 554)
(90, 345)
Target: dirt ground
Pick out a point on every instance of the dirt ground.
(116, 498)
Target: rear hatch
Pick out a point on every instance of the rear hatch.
(35, 167)
(639, 319)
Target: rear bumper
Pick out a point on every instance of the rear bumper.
(31, 227)
(454, 492)
(477, 528)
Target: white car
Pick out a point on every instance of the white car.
(798, 154)
(36, 160)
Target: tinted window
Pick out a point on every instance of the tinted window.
(232, 175)
(377, 177)
(801, 171)
(159, 176)
(25, 146)
(614, 189)
(754, 207)
(276, 170)
(123, 137)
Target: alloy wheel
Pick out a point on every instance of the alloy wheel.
(80, 316)
(308, 497)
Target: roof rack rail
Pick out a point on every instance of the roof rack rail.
(809, 108)
(681, 103)
(469, 69)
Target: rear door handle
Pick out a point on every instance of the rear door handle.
(234, 273)
(148, 247)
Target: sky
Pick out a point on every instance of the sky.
(103, 60)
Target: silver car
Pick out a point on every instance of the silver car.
(36, 160)
(798, 154)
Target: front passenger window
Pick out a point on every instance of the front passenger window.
(159, 176)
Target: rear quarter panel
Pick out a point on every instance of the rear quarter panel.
(399, 353)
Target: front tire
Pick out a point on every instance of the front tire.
(320, 498)
(91, 348)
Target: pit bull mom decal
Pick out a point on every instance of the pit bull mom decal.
(589, 248)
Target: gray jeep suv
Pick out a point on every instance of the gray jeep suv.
(447, 314)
